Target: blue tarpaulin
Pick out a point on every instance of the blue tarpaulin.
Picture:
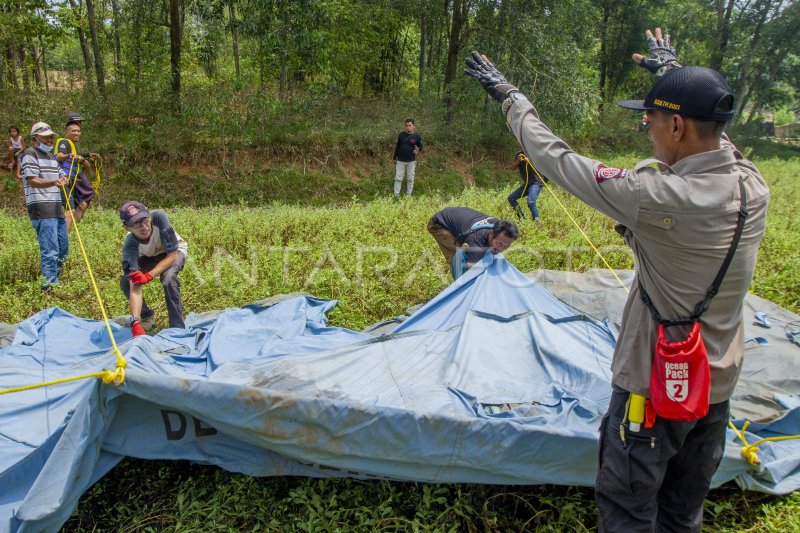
(496, 380)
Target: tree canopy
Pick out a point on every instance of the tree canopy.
(569, 56)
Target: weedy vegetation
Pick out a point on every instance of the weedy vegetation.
(373, 255)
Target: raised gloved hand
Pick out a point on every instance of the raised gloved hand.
(662, 54)
(137, 328)
(140, 278)
(492, 81)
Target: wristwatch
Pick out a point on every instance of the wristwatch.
(667, 67)
(508, 102)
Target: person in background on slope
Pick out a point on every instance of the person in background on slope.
(464, 235)
(42, 180)
(532, 183)
(15, 146)
(409, 145)
(151, 248)
(74, 165)
(693, 217)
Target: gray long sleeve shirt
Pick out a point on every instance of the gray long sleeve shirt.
(679, 222)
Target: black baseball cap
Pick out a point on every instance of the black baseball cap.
(694, 92)
(132, 212)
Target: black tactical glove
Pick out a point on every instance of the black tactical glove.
(662, 54)
(492, 81)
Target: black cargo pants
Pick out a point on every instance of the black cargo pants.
(656, 479)
(170, 283)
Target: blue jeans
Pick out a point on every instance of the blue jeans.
(53, 246)
(532, 191)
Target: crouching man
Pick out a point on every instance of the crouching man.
(151, 248)
(464, 235)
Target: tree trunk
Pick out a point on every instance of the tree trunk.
(724, 13)
(284, 75)
(603, 53)
(422, 37)
(400, 63)
(234, 36)
(458, 21)
(756, 107)
(261, 74)
(283, 82)
(37, 73)
(454, 42)
(434, 34)
(441, 35)
(43, 59)
(98, 56)
(137, 48)
(499, 29)
(11, 61)
(26, 79)
(115, 27)
(175, 34)
(740, 99)
(87, 59)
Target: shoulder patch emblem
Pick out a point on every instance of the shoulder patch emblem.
(604, 173)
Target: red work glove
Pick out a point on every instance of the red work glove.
(137, 329)
(140, 278)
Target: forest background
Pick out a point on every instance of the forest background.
(171, 78)
(288, 111)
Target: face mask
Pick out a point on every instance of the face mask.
(44, 148)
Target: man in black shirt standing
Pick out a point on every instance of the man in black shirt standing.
(409, 144)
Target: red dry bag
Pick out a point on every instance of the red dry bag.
(680, 382)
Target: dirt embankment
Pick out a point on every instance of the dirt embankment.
(262, 175)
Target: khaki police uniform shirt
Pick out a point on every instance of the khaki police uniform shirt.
(679, 222)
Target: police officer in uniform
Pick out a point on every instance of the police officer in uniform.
(678, 213)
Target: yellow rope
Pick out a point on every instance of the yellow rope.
(75, 178)
(750, 451)
(73, 153)
(97, 163)
(550, 190)
(108, 376)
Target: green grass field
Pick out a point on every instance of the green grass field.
(333, 232)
